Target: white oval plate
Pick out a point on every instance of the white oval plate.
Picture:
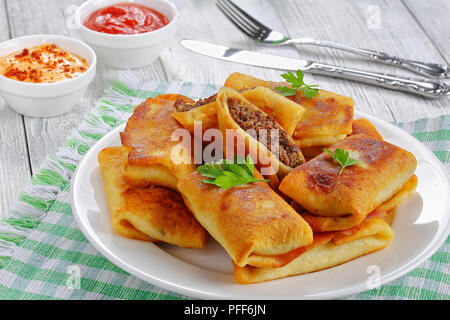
(421, 226)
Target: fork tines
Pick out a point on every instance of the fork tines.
(243, 21)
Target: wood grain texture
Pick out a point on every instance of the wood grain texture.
(202, 20)
(14, 162)
(348, 22)
(434, 18)
(46, 135)
(342, 21)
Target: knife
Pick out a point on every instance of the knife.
(425, 87)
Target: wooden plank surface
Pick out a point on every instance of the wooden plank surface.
(46, 135)
(340, 21)
(202, 20)
(434, 18)
(354, 23)
(409, 28)
(14, 162)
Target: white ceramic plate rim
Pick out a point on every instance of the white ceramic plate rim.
(192, 292)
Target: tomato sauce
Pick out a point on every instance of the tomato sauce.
(125, 18)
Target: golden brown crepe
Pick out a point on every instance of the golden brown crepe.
(325, 252)
(239, 81)
(359, 126)
(327, 118)
(317, 186)
(252, 223)
(363, 126)
(306, 218)
(236, 114)
(323, 224)
(312, 152)
(155, 157)
(285, 111)
(173, 97)
(198, 112)
(150, 214)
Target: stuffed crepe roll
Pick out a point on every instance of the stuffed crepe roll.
(155, 157)
(150, 214)
(252, 223)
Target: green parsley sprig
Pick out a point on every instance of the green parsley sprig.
(227, 174)
(343, 158)
(297, 84)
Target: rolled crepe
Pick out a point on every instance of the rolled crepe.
(312, 152)
(359, 126)
(323, 224)
(360, 189)
(285, 111)
(327, 118)
(150, 214)
(325, 252)
(155, 158)
(202, 111)
(363, 126)
(173, 97)
(253, 224)
(237, 114)
(239, 81)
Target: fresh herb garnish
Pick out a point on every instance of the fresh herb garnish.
(297, 84)
(343, 158)
(227, 174)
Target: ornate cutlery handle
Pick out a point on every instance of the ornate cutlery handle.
(428, 69)
(424, 87)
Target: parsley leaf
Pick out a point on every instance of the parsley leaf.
(296, 81)
(211, 171)
(285, 91)
(227, 174)
(343, 158)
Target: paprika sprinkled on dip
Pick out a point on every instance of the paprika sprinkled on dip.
(45, 63)
(125, 18)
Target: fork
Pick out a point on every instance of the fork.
(260, 32)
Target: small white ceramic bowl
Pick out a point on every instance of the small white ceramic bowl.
(46, 99)
(127, 50)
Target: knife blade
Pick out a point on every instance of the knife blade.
(245, 56)
(425, 87)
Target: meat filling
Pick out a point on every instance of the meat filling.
(182, 106)
(261, 124)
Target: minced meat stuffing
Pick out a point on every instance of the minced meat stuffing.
(249, 119)
(182, 106)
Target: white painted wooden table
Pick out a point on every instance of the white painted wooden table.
(410, 28)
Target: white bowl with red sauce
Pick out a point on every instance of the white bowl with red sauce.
(46, 99)
(117, 47)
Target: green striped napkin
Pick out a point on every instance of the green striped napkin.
(42, 250)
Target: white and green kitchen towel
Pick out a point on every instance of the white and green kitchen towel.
(40, 240)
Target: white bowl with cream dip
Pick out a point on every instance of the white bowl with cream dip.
(48, 97)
